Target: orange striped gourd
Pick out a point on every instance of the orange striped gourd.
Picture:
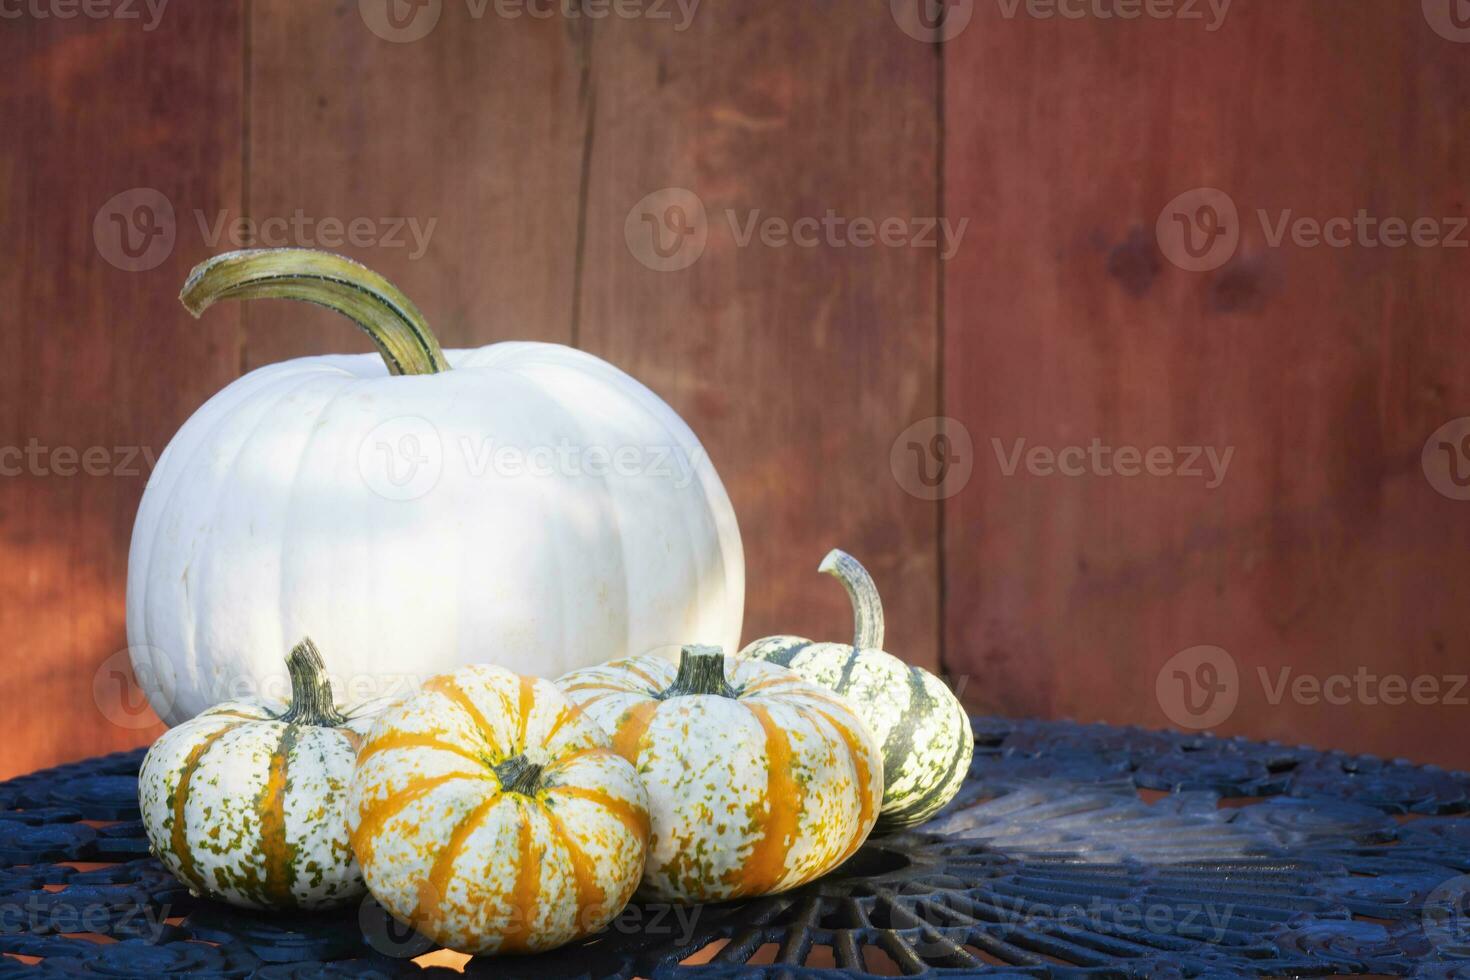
(244, 802)
(758, 780)
(491, 815)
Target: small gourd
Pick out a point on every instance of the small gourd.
(921, 725)
(758, 780)
(244, 802)
(491, 815)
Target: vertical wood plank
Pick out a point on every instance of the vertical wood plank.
(103, 363)
(1325, 550)
(797, 365)
(472, 133)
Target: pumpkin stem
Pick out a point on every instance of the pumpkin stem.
(519, 775)
(311, 692)
(867, 608)
(397, 328)
(701, 671)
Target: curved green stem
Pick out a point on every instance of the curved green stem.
(701, 671)
(397, 328)
(311, 692)
(867, 608)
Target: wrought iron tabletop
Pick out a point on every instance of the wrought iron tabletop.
(1073, 851)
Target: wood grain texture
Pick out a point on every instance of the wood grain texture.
(798, 366)
(525, 149)
(104, 364)
(472, 132)
(1325, 550)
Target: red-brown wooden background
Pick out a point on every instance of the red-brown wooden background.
(1060, 319)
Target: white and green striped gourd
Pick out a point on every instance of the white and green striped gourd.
(246, 801)
(923, 729)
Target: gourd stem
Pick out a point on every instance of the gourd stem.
(519, 775)
(395, 325)
(701, 671)
(867, 607)
(311, 692)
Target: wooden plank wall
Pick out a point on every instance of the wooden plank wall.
(1325, 550)
(528, 151)
(98, 358)
(519, 145)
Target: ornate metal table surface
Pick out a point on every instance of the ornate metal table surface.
(1073, 851)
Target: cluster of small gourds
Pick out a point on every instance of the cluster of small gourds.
(500, 813)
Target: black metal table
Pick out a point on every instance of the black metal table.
(1073, 851)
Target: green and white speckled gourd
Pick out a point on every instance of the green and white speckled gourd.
(758, 780)
(921, 725)
(246, 802)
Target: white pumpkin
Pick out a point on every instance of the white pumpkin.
(530, 504)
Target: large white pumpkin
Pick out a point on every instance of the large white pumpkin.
(523, 504)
